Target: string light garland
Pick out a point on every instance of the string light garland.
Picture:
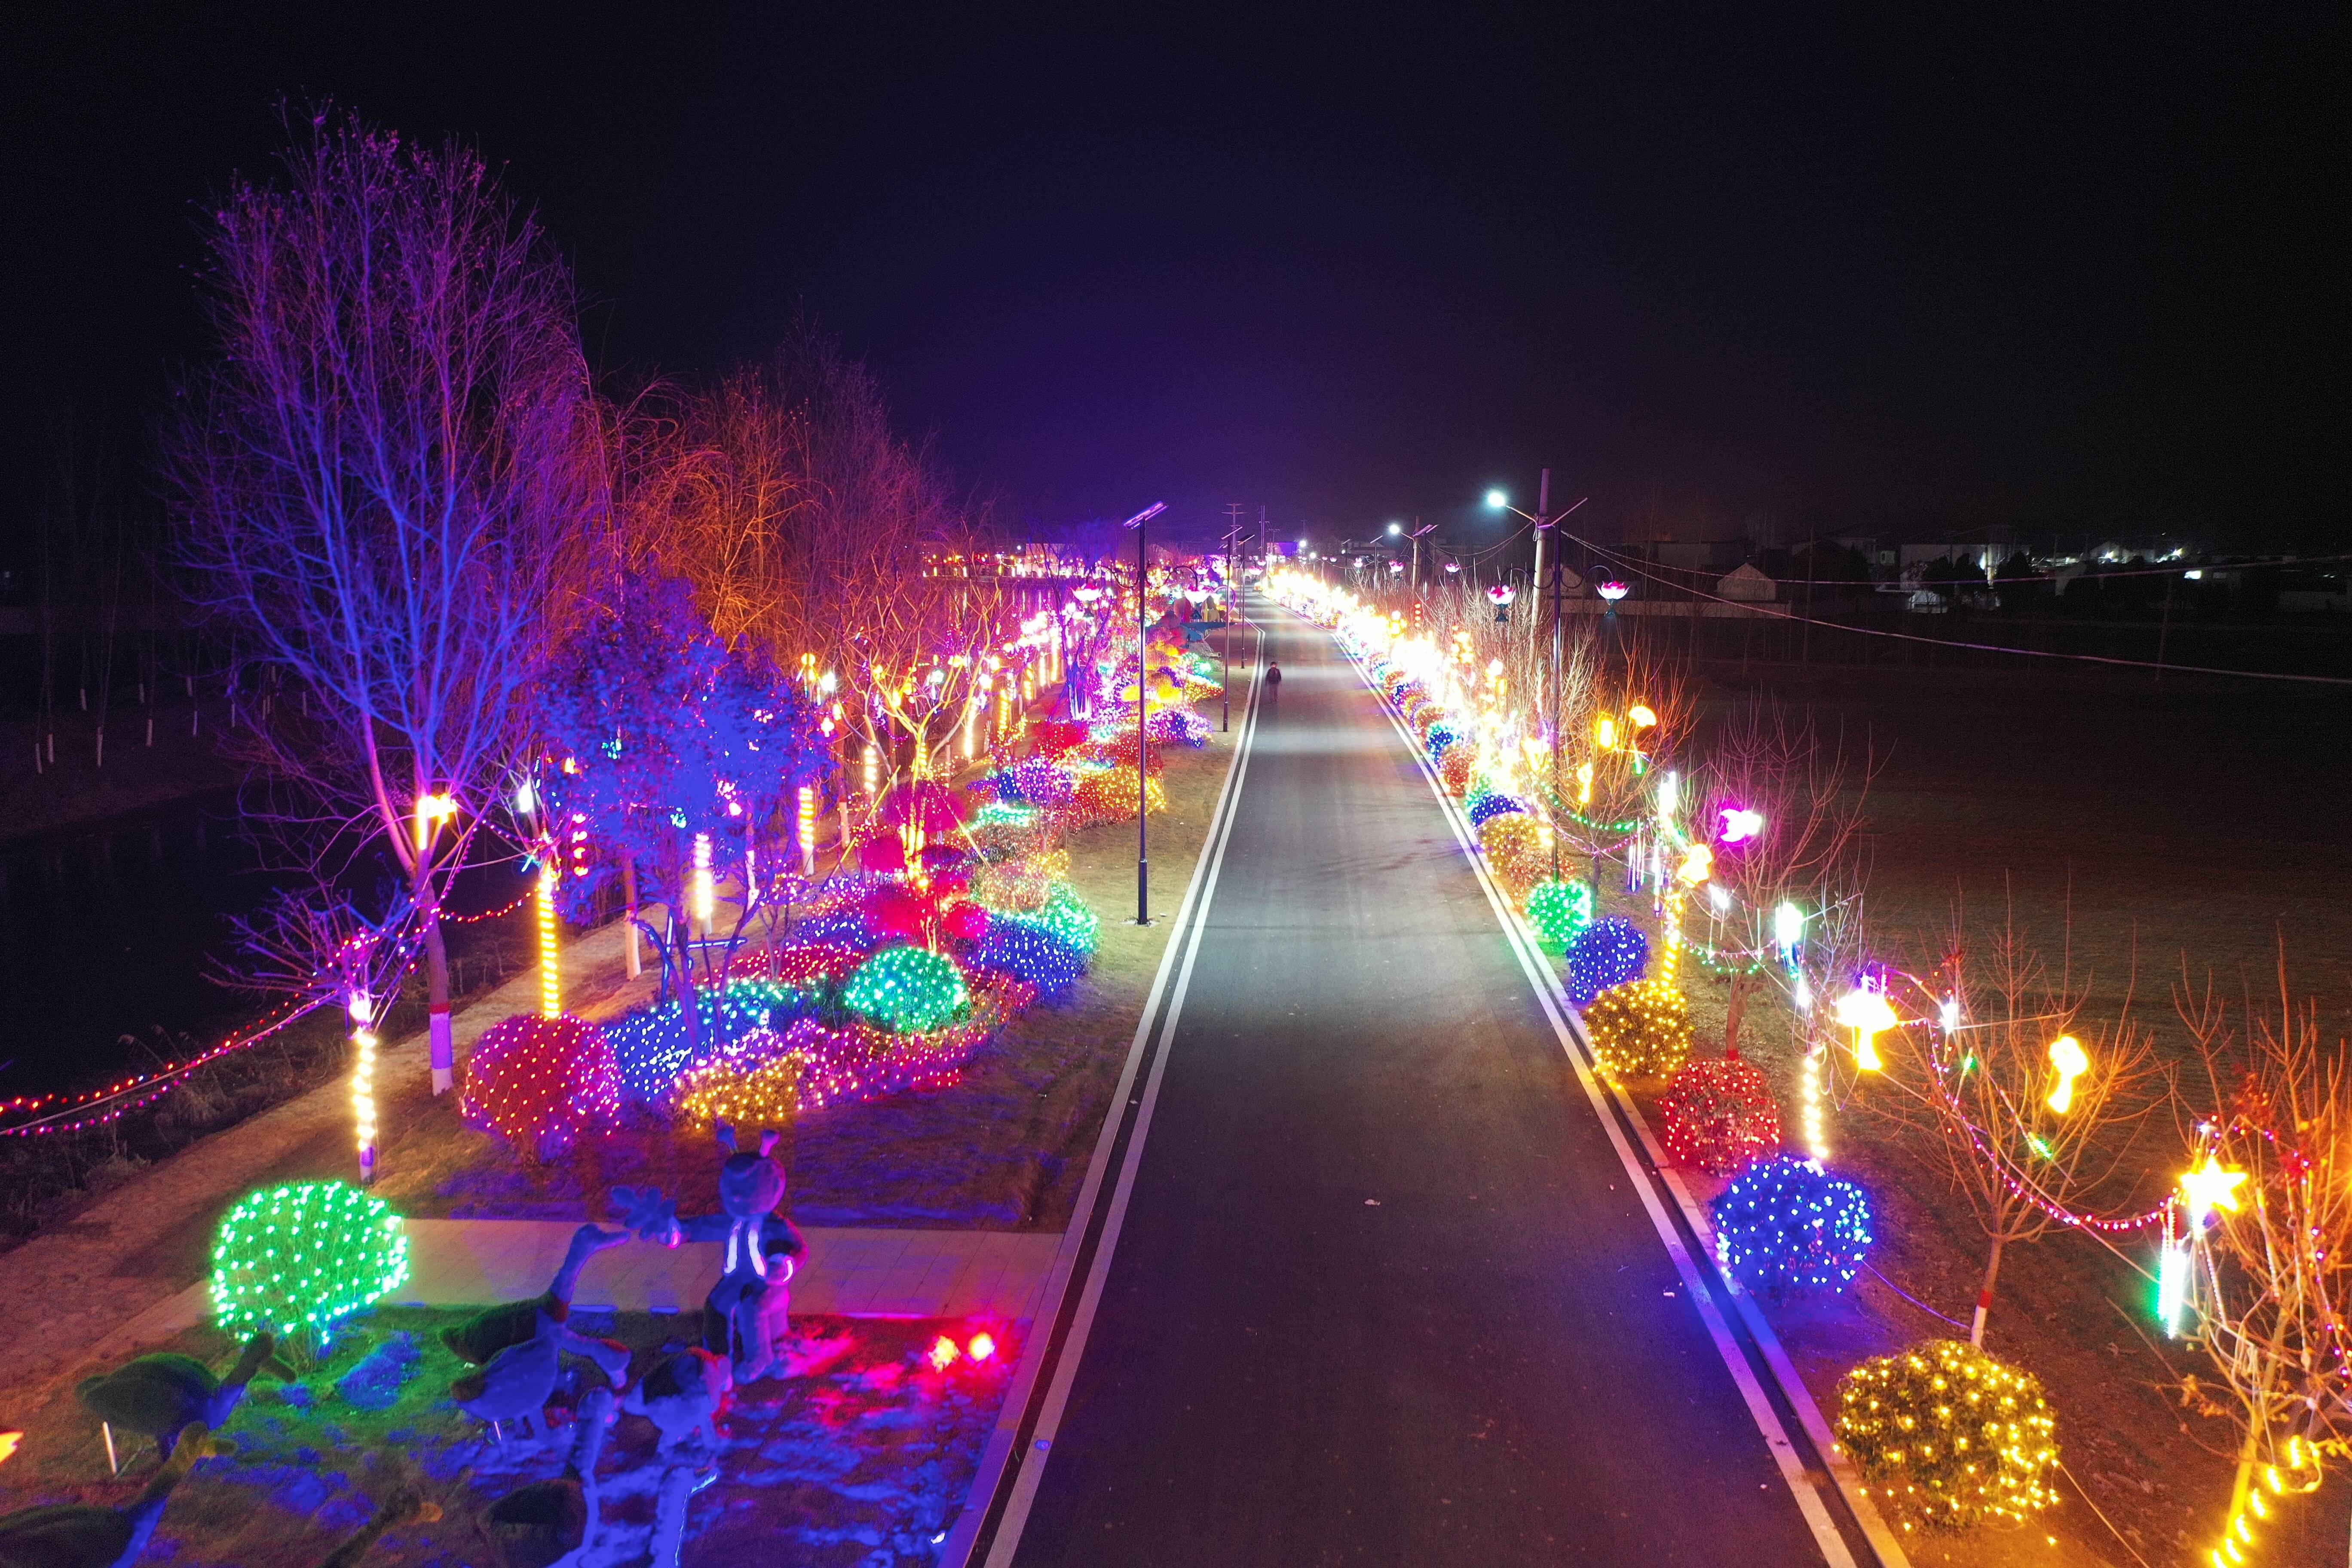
(1946, 1437)
(1558, 909)
(1718, 1115)
(64, 1113)
(1640, 1029)
(909, 990)
(362, 1012)
(1785, 1224)
(540, 1083)
(299, 1257)
(1610, 951)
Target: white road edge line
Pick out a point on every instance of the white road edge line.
(1776, 1437)
(956, 1551)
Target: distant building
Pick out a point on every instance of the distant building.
(1748, 585)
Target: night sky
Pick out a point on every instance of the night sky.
(2074, 268)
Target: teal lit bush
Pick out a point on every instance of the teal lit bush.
(908, 991)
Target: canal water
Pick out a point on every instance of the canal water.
(108, 932)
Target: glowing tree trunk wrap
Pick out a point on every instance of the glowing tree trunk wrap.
(363, 1049)
(550, 979)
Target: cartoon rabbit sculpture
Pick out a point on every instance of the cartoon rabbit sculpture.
(746, 1309)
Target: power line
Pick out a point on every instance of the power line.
(1643, 569)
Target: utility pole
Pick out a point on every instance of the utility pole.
(1233, 603)
(1140, 523)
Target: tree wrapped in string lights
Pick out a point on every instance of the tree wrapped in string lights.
(2262, 1270)
(296, 1259)
(1785, 1224)
(1640, 1028)
(1718, 1115)
(1947, 1436)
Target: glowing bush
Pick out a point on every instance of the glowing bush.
(843, 1067)
(1785, 1224)
(1033, 781)
(649, 1045)
(810, 964)
(296, 1259)
(1515, 853)
(1180, 726)
(1639, 1029)
(1947, 1436)
(1070, 918)
(1558, 909)
(1718, 1115)
(1052, 737)
(753, 1081)
(539, 1083)
(1455, 765)
(1108, 796)
(909, 990)
(1439, 736)
(1610, 951)
(1020, 882)
(1481, 806)
(1032, 950)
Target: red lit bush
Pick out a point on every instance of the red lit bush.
(1718, 1115)
(540, 1083)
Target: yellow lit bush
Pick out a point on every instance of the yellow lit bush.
(1947, 1436)
(1515, 853)
(1640, 1029)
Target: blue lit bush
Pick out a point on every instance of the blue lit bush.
(1482, 805)
(1028, 949)
(1785, 1224)
(649, 1045)
(1609, 951)
(1441, 735)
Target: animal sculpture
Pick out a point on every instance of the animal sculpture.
(543, 1522)
(84, 1535)
(681, 1394)
(480, 1338)
(160, 1397)
(747, 1308)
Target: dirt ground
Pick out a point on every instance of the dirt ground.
(857, 1457)
(2120, 823)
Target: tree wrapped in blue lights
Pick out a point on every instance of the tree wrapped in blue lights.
(1610, 951)
(1785, 1224)
(663, 735)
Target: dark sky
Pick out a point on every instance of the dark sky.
(2073, 265)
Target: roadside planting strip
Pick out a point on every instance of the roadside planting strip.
(1692, 1247)
(988, 1530)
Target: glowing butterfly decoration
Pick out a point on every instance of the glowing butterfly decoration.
(2066, 1055)
(1642, 717)
(2203, 1190)
(1739, 824)
(1866, 1012)
(1698, 865)
(1612, 591)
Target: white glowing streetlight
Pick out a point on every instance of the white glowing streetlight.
(1498, 499)
(1396, 528)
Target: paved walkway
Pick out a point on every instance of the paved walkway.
(849, 1273)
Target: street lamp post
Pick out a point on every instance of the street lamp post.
(1546, 523)
(1140, 523)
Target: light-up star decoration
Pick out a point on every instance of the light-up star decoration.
(1868, 1014)
(2066, 1055)
(2209, 1189)
(1739, 824)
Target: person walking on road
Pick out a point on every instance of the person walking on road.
(1273, 676)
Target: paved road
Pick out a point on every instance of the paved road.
(1384, 1293)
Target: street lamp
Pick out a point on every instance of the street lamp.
(1546, 525)
(1498, 499)
(1140, 523)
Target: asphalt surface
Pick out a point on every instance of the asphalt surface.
(1384, 1293)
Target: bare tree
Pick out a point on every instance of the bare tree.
(385, 479)
(2034, 1111)
(2273, 1276)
